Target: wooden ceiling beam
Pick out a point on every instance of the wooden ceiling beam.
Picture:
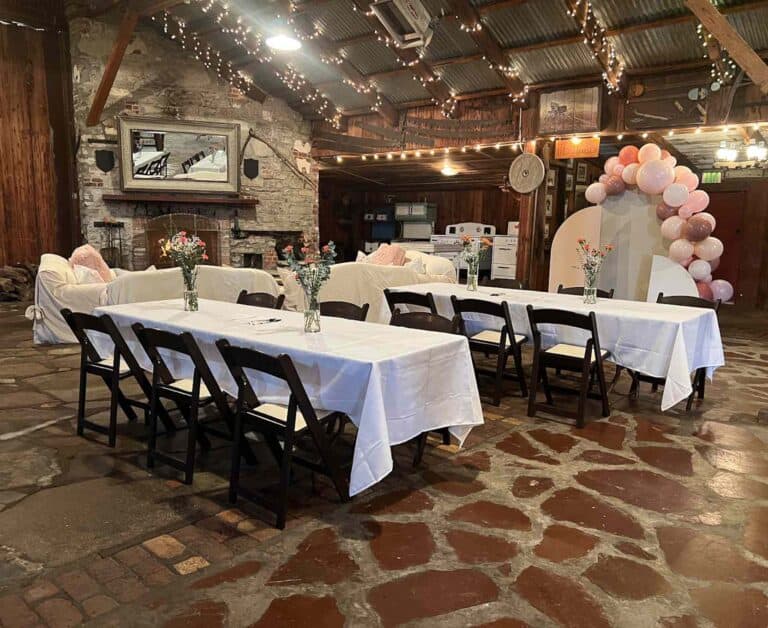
(497, 5)
(739, 50)
(492, 51)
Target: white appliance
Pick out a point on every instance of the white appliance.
(449, 245)
(504, 260)
(408, 22)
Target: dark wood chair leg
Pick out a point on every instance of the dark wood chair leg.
(535, 376)
(81, 401)
(518, 359)
(285, 479)
(234, 469)
(634, 388)
(499, 379)
(113, 401)
(703, 382)
(152, 440)
(192, 438)
(421, 443)
(547, 389)
(446, 434)
(603, 390)
(583, 390)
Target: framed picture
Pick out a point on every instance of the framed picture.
(581, 173)
(570, 110)
(569, 182)
(549, 202)
(551, 178)
(546, 231)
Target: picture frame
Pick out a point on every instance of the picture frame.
(549, 203)
(570, 110)
(569, 181)
(546, 231)
(581, 173)
(551, 178)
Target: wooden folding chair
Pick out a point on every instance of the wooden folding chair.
(343, 309)
(587, 360)
(112, 369)
(279, 423)
(410, 299)
(501, 343)
(579, 291)
(261, 299)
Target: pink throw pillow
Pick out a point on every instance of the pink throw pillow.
(89, 257)
(387, 255)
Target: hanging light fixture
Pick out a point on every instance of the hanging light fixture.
(726, 153)
(757, 152)
(283, 43)
(448, 170)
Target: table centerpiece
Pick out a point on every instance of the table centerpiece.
(591, 262)
(186, 252)
(473, 250)
(311, 268)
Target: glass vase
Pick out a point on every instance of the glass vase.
(311, 312)
(473, 269)
(190, 289)
(590, 288)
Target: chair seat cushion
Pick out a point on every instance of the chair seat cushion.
(279, 413)
(494, 337)
(572, 351)
(109, 363)
(185, 385)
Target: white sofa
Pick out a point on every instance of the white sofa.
(360, 283)
(56, 288)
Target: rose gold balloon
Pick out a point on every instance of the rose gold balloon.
(629, 174)
(686, 211)
(614, 185)
(705, 292)
(654, 176)
(603, 178)
(708, 217)
(618, 169)
(664, 211)
(687, 262)
(697, 229)
(689, 180)
(649, 152)
(628, 155)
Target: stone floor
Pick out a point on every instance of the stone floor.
(643, 519)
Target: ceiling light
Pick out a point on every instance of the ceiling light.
(417, 153)
(284, 43)
(376, 156)
(596, 136)
(402, 155)
(620, 136)
(448, 170)
(697, 131)
(726, 153)
(670, 133)
(364, 157)
(576, 140)
(645, 136)
(389, 155)
(339, 158)
(757, 152)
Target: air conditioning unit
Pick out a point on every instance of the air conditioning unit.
(407, 21)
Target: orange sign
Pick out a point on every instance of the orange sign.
(584, 149)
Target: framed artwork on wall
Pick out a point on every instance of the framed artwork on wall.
(570, 110)
(569, 182)
(581, 173)
(549, 202)
(551, 178)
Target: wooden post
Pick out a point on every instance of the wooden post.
(741, 52)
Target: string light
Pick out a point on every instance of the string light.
(723, 69)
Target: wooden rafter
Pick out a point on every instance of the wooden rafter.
(490, 48)
(739, 50)
(496, 5)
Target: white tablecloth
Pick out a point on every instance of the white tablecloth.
(394, 383)
(666, 341)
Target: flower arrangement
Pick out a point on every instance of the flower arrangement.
(472, 252)
(311, 269)
(591, 261)
(186, 252)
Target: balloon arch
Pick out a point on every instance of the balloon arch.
(684, 222)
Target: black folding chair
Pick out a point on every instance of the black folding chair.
(342, 309)
(579, 291)
(426, 322)
(278, 423)
(112, 369)
(261, 299)
(189, 394)
(410, 299)
(501, 343)
(504, 284)
(588, 360)
(700, 376)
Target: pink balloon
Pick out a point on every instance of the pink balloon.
(688, 179)
(603, 178)
(672, 229)
(664, 211)
(649, 152)
(628, 155)
(654, 176)
(596, 193)
(700, 270)
(680, 250)
(698, 200)
(614, 185)
(687, 262)
(705, 292)
(697, 229)
(670, 161)
(721, 289)
(618, 169)
(675, 194)
(709, 248)
(664, 153)
(686, 211)
(714, 264)
(610, 164)
(708, 217)
(629, 174)
(681, 170)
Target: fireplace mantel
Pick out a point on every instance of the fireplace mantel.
(186, 199)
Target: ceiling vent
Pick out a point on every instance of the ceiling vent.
(407, 21)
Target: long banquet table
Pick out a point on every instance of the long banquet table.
(394, 383)
(666, 341)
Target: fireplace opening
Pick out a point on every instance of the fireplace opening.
(253, 260)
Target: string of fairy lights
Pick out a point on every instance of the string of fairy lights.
(722, 70)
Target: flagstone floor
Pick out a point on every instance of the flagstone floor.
(642, 519)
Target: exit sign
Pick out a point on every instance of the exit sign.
(715, 176)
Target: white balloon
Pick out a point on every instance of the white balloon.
(700, 270)
(596, 193)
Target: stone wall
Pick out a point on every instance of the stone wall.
(158, 78)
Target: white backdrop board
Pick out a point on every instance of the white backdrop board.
(670, 278)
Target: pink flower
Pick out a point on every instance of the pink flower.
(182, 233)
(200, 243)
(305, 249)
(288, 249)
(326, 249)
(205, 257)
